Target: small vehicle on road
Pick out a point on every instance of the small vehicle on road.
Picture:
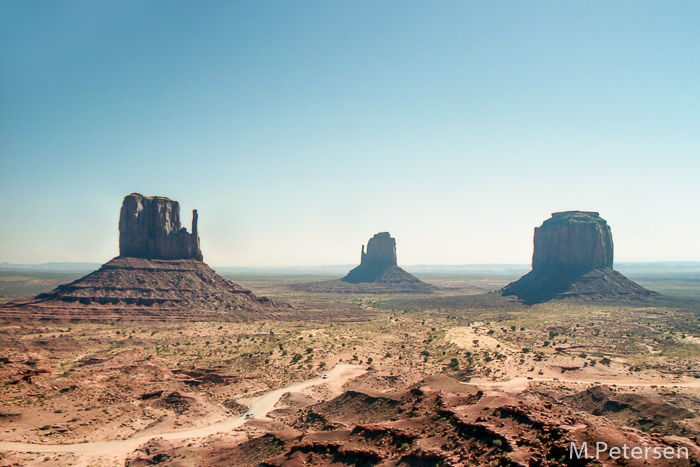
(248, 416)
(325, 376)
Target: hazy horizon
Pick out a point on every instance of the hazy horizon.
(299, 130)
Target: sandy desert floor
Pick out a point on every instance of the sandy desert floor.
(354, 392)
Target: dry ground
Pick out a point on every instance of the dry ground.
(73, 383)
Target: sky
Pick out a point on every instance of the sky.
(300, 129)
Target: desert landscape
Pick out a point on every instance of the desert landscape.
(382, 380)
(102, 372)
(349, 234)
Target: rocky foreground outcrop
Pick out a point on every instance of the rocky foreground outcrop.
(149, 227)
(438, 422)
(573, 257)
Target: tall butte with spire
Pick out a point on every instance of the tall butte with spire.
(149, 227)
(159, 274)
(573, 257)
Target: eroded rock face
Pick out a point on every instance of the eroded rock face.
(149, 227)
(573, 258)
(573, 239)
(380, 256)
(381, 251)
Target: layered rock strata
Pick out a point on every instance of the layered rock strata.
(573, 239)
(143, 282)
(573, 257)
(149, 227)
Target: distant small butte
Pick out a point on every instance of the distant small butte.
(378, 272)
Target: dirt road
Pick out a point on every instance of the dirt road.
(117, 450)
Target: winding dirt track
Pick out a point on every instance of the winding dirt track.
(259, 406)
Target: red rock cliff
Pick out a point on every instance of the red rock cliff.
(149, 227)
(381, 250)
(573, 239)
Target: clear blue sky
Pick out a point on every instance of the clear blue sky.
(300, 129)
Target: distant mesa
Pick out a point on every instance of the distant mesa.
(159, 275)
(377, 273)
(573, 257)
(573, 239)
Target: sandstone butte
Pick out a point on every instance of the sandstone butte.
(149, 227)
(573, 257)
(378, 266)
(159, 275)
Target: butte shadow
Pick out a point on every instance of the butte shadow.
(573, 258)
(378, 272)
(158, 275)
